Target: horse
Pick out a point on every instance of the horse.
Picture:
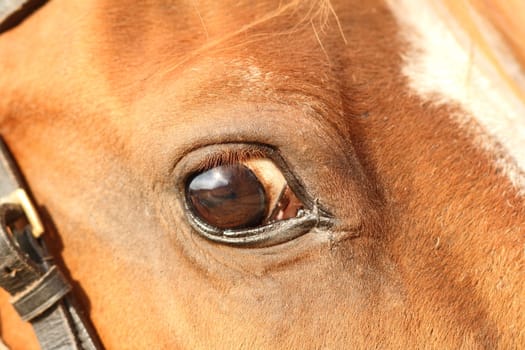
(318, 174)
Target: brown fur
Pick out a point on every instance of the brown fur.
(101, 101)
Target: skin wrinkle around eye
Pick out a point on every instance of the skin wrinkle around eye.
(237, 120)
(260, 130)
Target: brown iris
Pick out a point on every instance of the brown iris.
(228, 197)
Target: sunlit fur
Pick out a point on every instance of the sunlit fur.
(103, 101)
(447, 64)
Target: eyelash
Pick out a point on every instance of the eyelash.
(229, 157)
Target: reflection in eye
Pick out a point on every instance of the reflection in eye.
(242, 195)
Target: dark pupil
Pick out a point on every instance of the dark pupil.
(228, 197)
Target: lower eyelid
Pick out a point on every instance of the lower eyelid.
(268, 235)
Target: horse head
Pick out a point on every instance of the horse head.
(278, 174)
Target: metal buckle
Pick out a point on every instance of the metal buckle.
(20, 197)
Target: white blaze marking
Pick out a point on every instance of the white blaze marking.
(443, 70)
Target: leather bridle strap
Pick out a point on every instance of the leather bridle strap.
(40, 292)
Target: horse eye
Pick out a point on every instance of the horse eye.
(241, 195)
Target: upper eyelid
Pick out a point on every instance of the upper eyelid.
(228, 157)
(220, 153)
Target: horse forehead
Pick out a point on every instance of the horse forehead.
(217, 47)
(444, 65)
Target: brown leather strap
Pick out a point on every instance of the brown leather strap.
(40, 293)
(15, 272)
(33, 301)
